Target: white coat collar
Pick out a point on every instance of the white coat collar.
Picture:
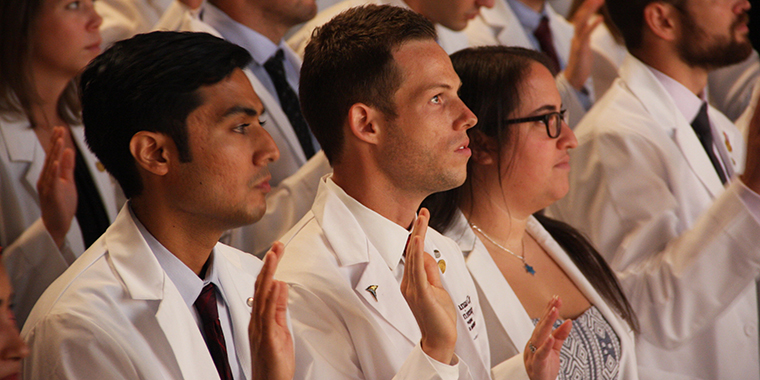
(509, 31)
(144, 279)
(658, 103)
(352, 247)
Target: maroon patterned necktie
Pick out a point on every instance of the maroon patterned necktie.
(544, 36)
(212, 330)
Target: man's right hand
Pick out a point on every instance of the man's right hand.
(56, 187)
(430, 302)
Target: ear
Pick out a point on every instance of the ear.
(149, 150)
(662, 20)
(363, 122)
(484, 149)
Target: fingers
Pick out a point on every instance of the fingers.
(414, 270)
(281, 304)
(586, 10)
(543, 328)
(265, 283)
(561, 333)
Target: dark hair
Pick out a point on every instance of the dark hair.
(492, 80)
(349, 60)
(17, 90)
(628, 17)
(150, 83)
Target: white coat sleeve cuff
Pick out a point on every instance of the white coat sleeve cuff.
(419, 365)
(511, 369)
(750, 199)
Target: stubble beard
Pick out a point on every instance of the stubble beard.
(697, 49)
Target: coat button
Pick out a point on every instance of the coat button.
(750, 330)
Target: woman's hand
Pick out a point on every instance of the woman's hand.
(56, 187)
(541, 354)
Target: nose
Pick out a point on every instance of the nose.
(566, 139)
(743, 6)
(466, 119)
(95, 19)
(266, 150)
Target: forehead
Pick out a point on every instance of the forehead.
(424, 64)
(233, 91)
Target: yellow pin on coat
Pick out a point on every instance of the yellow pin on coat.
(372, 289)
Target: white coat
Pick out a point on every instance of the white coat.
(729, 88)
(31, 257)
(451, 41)
(125, 18)
(685, 248)
(341, 330)
(115, 314)
(509, 326)
(500, 26)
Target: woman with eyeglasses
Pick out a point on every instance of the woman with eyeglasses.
(521, 260)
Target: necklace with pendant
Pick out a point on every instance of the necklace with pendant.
(527, 267)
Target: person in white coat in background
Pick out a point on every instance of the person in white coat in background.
(55, 198)
(519, 260)
(366, 300)
(449, 16)
(659, 184)
(534, 24)
(175, 120)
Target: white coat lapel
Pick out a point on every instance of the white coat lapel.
(145, 280)
(273, 109)
(352, 247)
(506, 26)
(238, 285)
(22, 146)
(653, 96)
(100, 177)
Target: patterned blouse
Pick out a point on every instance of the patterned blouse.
(592, 351)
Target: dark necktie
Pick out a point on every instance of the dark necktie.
(289, 101)
(701, 125)
(212, 330)
(544, 36)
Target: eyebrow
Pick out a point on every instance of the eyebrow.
(545, 107)
(241, 109)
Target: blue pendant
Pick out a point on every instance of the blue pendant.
(529, 269)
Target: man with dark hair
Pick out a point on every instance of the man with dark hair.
(174, 119)
(657, 184)
(381, 96)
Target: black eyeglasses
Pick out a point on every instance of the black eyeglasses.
(552, 120)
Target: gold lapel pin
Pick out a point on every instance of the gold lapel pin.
(100, 166)
(442, 266)
(372, 289)
(728, 143)
(249, 302)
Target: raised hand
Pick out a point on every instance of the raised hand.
(56, 187)
(430, 303)
(272, 353)
(541, 354)
(581, 59)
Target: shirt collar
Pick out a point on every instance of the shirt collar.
(260, 47)
(187, 282)
(386, 236)
(529, 19)
(686, 102)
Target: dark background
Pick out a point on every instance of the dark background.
(754, 23)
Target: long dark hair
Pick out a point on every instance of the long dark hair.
(492, 81)
(17, 91)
